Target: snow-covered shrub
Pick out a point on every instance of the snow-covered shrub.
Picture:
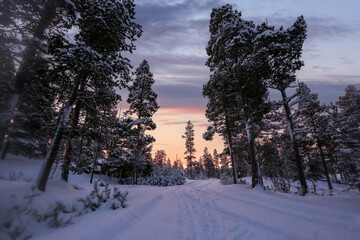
(97, 198)
(119, 199)
(24, 215)
(165, 176)
(281, 184)
(226, 176)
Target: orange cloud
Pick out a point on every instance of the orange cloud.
(180, 111)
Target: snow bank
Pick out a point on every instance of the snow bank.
(200, 209)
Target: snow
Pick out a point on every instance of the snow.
(200, 209)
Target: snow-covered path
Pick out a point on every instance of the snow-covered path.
(208, 210)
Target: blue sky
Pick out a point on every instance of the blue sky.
(176, 33)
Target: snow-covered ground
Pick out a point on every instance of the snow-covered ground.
(197, 210)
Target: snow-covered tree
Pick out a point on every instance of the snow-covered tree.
(348, 144)
(208, 164)
(311, 117)
(189, 146)
(142, 104)
(160, 158)
(221, 111)
(239, 60)
(94, 60)
(26, 27)
(286, 49)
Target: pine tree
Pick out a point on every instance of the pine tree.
(348, 143)
(286, 49)
(311, 115)
(142, 103)
(239, 58)
(189, 146)
(208, 164)
(106, 29)
(160, 158)
(28, 23)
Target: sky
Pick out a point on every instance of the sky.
(175, 35)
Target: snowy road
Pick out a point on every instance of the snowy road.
(208, 210)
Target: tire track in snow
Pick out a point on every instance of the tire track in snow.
(201, 218)
(227, 228)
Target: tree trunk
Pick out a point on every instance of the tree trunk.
(95, 160)
(5, 150)
(235, 176)
(51, 155)
(22, 76)
(322, 155)
(67, 161)
(255, 163)
(304, 187)
(75, 120)
(254, 159)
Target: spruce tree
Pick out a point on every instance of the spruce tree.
(208, 164)
(189, 146)
(142, 104)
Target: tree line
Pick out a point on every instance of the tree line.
(63, 62)
(296, 138)
(62, 65)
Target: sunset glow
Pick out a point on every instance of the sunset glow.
(171, 124)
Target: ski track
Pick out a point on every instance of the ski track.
(206, 210)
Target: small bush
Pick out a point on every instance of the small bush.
(165, 176)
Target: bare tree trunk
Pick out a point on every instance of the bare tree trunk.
(304, 187)
(51, 155)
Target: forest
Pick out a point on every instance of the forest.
(63, 64)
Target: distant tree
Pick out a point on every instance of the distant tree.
(160, 158)
(178, 164)
(208, 164)
(189, 146)
(168, 162)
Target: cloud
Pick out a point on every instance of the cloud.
(181, 111)
(347, 61)
(318, 27)
(180, 97)
(321, 69)
(205, 125)
(330, 91)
